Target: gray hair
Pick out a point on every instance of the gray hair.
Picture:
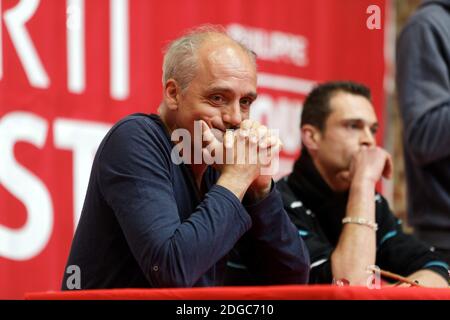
(180, 58)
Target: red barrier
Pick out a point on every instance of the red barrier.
(289, 292)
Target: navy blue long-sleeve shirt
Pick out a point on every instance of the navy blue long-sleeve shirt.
(145, 224)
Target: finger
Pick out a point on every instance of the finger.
(207, 134)
(246, 127)
(206, 155)
(208, 137)
(262, 132)
(253, 132)
(246, 124)
(243, 132)
(255, 125)
(270, 140)
(344, 175)
(228, 139)
(388, 168)
(268, 158)
(274, 150)
(254, 135)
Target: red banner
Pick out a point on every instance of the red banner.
(70, 69)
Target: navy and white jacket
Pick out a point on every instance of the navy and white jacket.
(317, 212)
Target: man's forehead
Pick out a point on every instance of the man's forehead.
(346, 106)
(225, 52)
(227, 68)
(222, 86)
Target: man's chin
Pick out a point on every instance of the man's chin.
(343, 181)
(342, 187)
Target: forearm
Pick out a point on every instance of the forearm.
(428, 278)
(257, 193)
(356, 248)
(184, 252)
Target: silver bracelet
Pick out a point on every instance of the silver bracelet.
(361, 221)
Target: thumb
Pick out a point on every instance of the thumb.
(207, 135)
(388, 168)
(344, 175)
(208, 138)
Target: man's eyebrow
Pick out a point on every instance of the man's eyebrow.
(218, 89)
(252, 95)
(373, 124)
(227, 90)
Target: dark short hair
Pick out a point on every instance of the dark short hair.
(316, 107)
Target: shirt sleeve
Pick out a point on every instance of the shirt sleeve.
(279, 253)
(424, 91)
(271, 252)
(135, 179)
(403, 253)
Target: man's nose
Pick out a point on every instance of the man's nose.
(232, 116)
(367, 138)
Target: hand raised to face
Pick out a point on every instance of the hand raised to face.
(370, 163)
(250, 149)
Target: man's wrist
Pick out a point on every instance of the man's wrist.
(257, 193)
(361, 221)
(237, 186)
(363, 182)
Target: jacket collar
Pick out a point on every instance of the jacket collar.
(308, 185)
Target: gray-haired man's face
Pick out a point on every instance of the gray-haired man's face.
(221, 92)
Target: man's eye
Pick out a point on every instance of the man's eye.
(217, 98)
(374, 130)
(246, 102)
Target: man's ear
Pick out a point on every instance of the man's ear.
(311, 137)
(171, 94)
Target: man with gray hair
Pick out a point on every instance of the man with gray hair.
(150, 220)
